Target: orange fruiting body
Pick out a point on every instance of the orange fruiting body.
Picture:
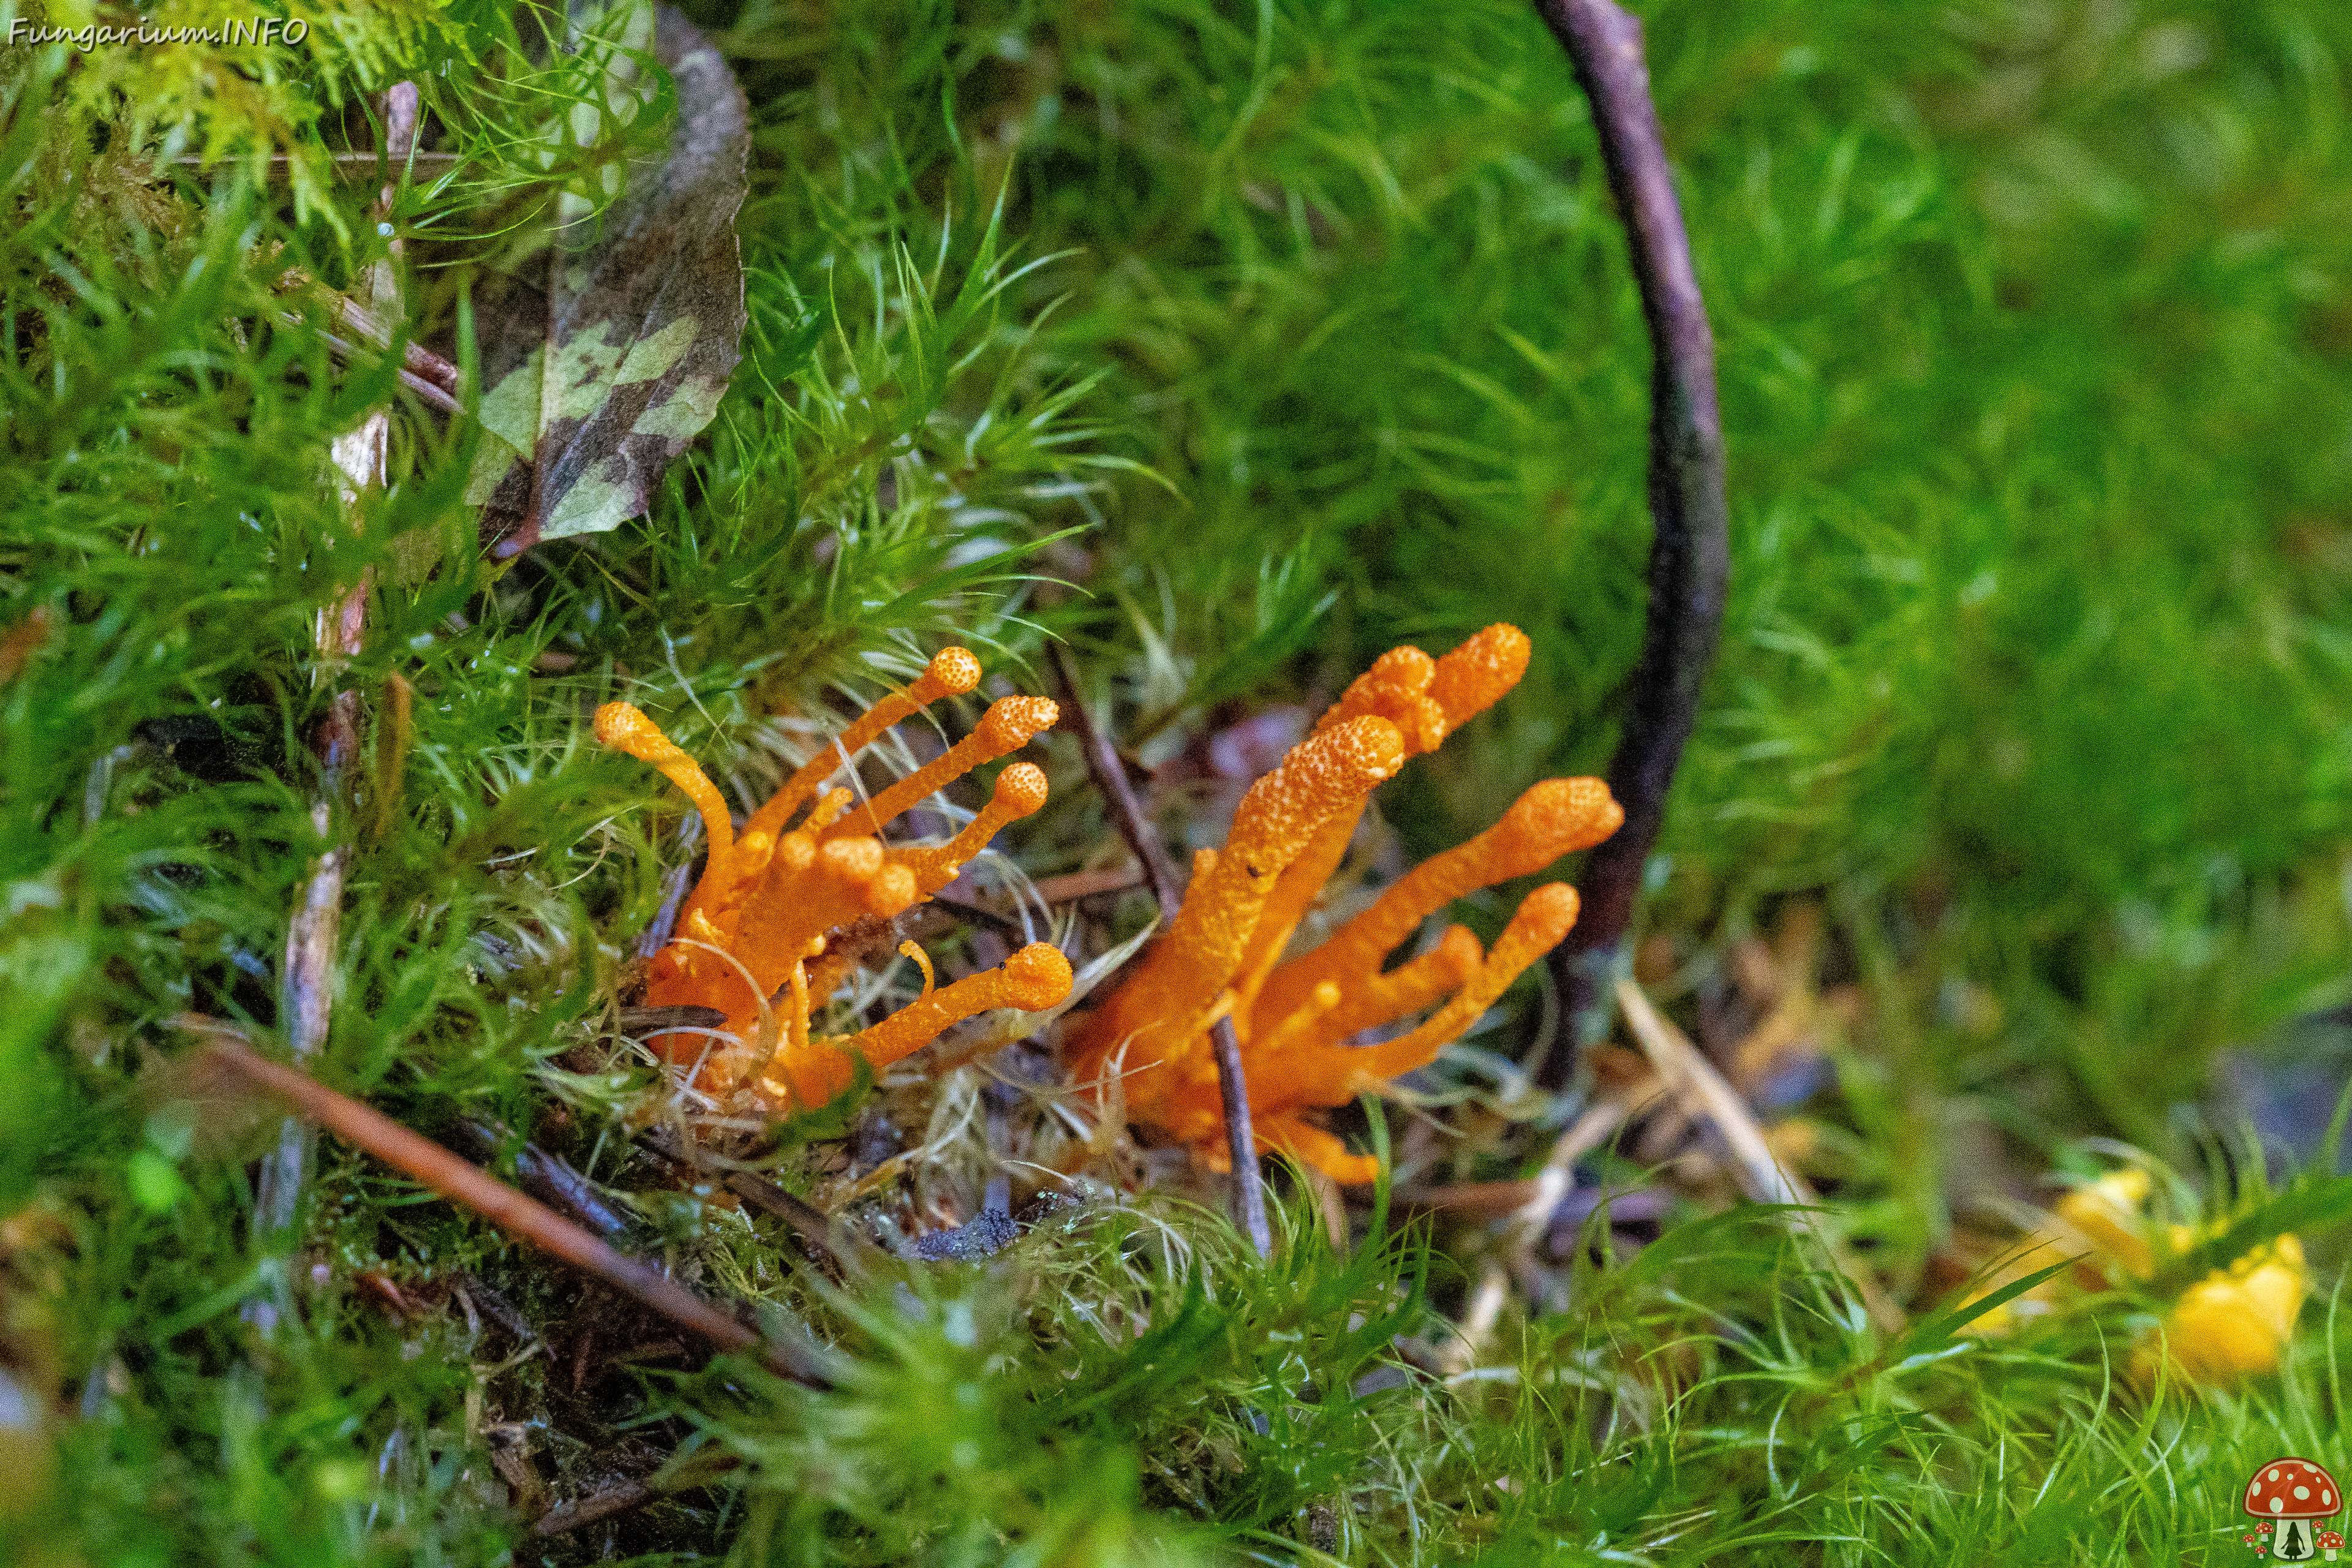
(765, 933)
(1221, 955)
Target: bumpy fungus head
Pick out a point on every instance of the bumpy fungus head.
(1222, 954)
(761, 937)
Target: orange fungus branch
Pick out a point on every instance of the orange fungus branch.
(1221, 955)
(759, 939)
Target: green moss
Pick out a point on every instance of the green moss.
(1293, 332)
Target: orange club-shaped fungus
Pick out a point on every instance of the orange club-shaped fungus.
(1221, 955)
(783, 908)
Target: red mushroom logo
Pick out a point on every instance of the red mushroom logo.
(2331, 1541)
(2294, 1494)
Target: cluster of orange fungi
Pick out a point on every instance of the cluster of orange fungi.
(1221, 956)
(775, 920)
(779, 913)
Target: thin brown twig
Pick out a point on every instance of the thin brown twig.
(446, 1173)
(816, 1230)
(623, 1495)
(1110, 774)
(809, 1222)
(426, 393)
(547, 1177)
(494, 1304)
(1240, 1138)
(618, 1498)
(975, 914)
(346, 165)
(1690, 550)
(372, 328)
(1691, 1079)
(1072, 886)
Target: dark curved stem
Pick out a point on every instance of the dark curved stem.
(1690, 551)
(817, 1232)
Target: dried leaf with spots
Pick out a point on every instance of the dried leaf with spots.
(611, 351)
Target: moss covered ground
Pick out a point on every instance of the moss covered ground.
(1229, 344)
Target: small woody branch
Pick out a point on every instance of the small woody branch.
(1109, 774)
(1693, 1082)
(1690, 553)
(422, 366)
(345, 166)
(619, 1498)
(622, 1496)
(426, 389)
(417, 1156)
(818, 1233)
(1240, 1138)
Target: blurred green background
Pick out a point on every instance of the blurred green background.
(2033, 326)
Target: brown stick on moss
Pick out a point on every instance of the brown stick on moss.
(460, 1183)
(1233, 1088)
(1690, 553)
(1110, 774)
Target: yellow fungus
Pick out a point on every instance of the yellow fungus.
(2105, 1213)
(623, 728)
(1007, 726)
(1020, 790)
(2234, 1324)
(2231, 1325)
(1427, 699)
(1160, 1015)
(952, 672)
